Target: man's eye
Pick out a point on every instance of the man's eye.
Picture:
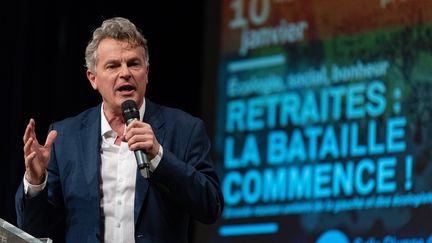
(111, 66)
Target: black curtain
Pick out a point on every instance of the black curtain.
(43, 66)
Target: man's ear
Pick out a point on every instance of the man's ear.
(92, 78)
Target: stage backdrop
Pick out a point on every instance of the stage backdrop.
(323, 124)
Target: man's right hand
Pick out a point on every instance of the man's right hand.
(36, 156)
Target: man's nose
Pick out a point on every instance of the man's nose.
(125, 72)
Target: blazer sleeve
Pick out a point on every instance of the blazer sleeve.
(187, 173)
(43, 214)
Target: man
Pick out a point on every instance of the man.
(83, 184)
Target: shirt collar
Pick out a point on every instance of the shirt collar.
(105, 126)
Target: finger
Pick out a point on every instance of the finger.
(131, 125)
(137, 124)
(52, 135)
(139, 129)
(31, 156)
(32, 124)
(32, 173)
(28, 160)
(28, 131)
(143, 145)
(134, 135)
(142, 141)
(141, 137)
(27, 147)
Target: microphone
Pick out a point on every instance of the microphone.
(130, 113)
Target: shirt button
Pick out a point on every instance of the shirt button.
(118, 225)
(119, 202)
(120, 180)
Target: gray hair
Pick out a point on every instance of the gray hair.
(117, 28)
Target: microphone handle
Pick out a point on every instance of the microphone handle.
(143, 163)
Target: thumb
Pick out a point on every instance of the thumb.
(52, 135)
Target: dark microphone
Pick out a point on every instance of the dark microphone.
(130, 113)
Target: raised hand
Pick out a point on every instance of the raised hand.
(36, 156)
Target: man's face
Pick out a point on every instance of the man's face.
(121, 73)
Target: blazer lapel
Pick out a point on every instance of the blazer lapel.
(153, 117)
(90, 146)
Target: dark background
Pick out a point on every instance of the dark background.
(42, 47)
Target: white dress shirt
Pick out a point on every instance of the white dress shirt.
(118, 173)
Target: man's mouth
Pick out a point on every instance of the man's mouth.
(126, 88)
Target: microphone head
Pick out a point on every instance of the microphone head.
(129, 110)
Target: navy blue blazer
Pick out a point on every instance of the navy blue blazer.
(183, 187)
